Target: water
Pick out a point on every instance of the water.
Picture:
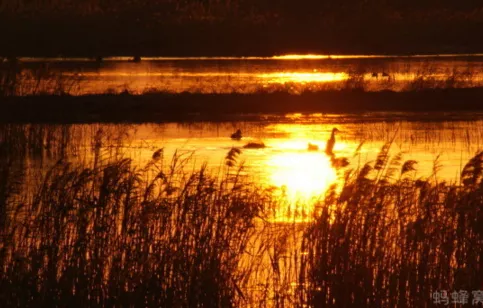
(440, 146)
(294, 74)
(440, 143)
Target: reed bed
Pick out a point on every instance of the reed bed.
(115, 235)
(27, 79)
(110, 233)
(18, 81)
(390, 240)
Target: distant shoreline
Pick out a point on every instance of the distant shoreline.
(274, 57)
(164, 107)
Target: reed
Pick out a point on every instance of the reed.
(108, 232)
(43, 79)
(18, 80)
(392, 240)
(113, 234)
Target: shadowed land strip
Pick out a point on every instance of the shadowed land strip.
(160, 107)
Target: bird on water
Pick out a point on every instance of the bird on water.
(236, 135)
(336, 162)
(329, 147)
(312, 147)
(254, 145)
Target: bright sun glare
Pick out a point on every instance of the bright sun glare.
(303, 176)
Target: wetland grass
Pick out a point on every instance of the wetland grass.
(390, 240)
(42, 94)
(110, 233)
(115, 235)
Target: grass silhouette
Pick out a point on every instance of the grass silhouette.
(110, 233)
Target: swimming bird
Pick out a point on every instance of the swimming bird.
(374, 75)
(236, 135)
(329, 147)
(136, 59)
(312, 147)
(254, 145)
(385, 75)
(158, 154)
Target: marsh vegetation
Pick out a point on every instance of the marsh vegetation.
(257, 75)
(107, 231)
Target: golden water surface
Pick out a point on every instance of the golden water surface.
(286, 164)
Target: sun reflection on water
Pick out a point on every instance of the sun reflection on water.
(302, 177)
(302, 77)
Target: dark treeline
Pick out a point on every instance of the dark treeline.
(238, 27)
(278, 7)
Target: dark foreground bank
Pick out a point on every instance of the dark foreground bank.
(186, 106)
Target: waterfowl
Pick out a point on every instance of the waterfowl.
(384, 74)
(312, 147)
(236, 135)
(374, 75)
(158, 154)
(254, 145)
(136, 59)
(329, 147)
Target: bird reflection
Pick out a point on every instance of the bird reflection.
(254, 145)
(336, 162)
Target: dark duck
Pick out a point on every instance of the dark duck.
(236, 135)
